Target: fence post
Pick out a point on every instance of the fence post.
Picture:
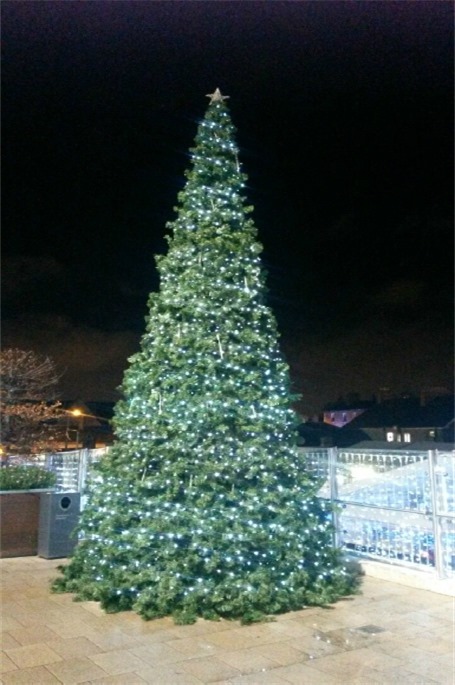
(49, 462)
(438, 557)
(82, 471)
(333, 483)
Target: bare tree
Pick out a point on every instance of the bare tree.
(30, 411)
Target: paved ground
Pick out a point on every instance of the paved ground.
(390, 634)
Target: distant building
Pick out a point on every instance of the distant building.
(320, 434)
(343, 411)
(409, 421)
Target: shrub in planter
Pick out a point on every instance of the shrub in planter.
(19, 511)
(26, 478)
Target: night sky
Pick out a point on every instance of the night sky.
(344, 112)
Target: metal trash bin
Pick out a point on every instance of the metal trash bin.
(59, 514)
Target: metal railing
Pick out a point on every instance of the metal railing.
(72, 468)
(397, 506)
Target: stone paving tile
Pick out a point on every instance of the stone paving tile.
(132, 679)
(209, 669)
(201, 627)
(348, 638)
(64, 599)
(168, 676)
(70, 647)
(72, 671)
(425, 619)
(391, 589)
(355, 663)
(425, 601)
(272, 631)
(118, 661)
(11, 608)
(266, 678)
(157, 654)
(71, 628)
(444, 616)
(229, 640)
(30, 676)
(305, 613)
(315, 646)
(38, 654)
(29, 619)
(76, 612)
(151, 638)
(395, 625)
(195, 646)
(394, 677)
(353, 614)
(35, 592)
(8, 642)
(260, 633)
(8, 622)
(408, 652)
(250, 636)
(303, 674)
(6, 664)
(447, 661)
(434, 669)
(31, 635)
(281, 652)
(440, 643)
(41, 604)
(159, 626)
(95, 609)
(305, 628)
(114, 639)
(311, 646)
(99, 623)
(248, 661)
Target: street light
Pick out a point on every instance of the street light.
(74, 413)
(81, 416)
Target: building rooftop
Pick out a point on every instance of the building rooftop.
(409, 413)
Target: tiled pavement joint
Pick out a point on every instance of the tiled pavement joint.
(390, 633)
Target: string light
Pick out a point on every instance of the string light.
(202, 506)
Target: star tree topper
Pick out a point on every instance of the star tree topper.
(217, 96)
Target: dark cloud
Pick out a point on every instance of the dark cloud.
(405, 293)
(365, 360)
(90, 360)
(22, 274)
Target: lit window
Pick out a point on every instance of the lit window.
(390, 436)
(407, 437)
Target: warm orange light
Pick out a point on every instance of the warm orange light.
(76, 412)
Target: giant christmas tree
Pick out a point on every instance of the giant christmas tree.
(203, 506)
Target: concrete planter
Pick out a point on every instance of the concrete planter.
(19, 522)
